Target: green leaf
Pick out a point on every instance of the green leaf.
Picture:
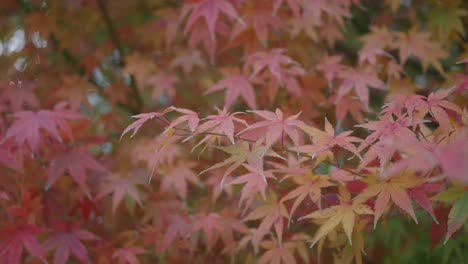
(457, 216)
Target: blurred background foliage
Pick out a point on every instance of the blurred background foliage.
(102, 50)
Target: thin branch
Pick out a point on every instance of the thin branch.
(118, 44)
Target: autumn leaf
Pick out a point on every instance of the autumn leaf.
(120, 186)
(275, 61)
(419, 44)
(271, 214)
(67, 239)
(458, 215)
(143, 118)
(17, 95)
(259, 21)
(215, 226)
(28, 125)
(28, 209)
(452, 157)
(294, 167)
(128, 254)
(356, 250)
(438, 106)
(187, 61)
(15, 237)
(177, 177)
(331, 67)
(4, 196)
(188, 116)
(344, 213)
(243, 153)
(162, 84)
(359, 81)
(255, 182)
(378, 38)
(310, 185)
(277, 253)
(385, 131)
(179, 226)
(222, 123)
(76, 161)
(324, 140)
(236, 84)
(210, 10)
(395, 188)
(350, 105)
(277, 126)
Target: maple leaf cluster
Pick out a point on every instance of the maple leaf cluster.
(212, 131)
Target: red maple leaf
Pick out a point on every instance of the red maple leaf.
(66, 239)
(76, 161)
(14, 237)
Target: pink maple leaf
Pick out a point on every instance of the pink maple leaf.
(277, 126)
(128, 254)
(187, 61)
(188, 116)
(222, 123)
(275, 61)
(453, 157)
(177, 178)
(255, 182)
(19, 94)
(210, 10)
(178, 227)
(386, 132)
(27, 128)
(236, 84)
(119, 186)
(325, 140)
(142, 118)
(215, 226)
(359, 81)
(331, 67)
